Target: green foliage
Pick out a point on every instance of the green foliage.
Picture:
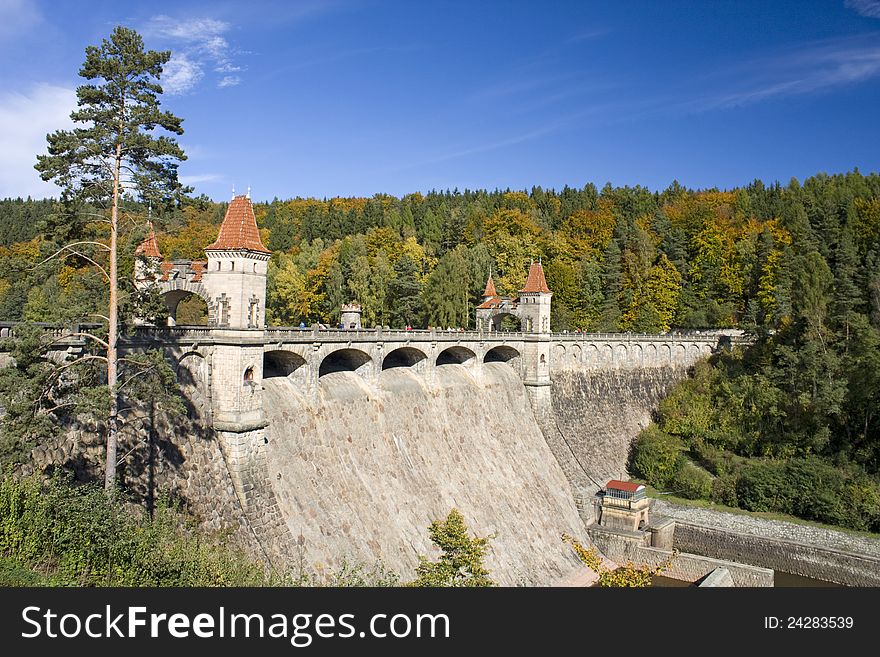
(461, 558)
(656, 456)
(692, 482)
(63, 535)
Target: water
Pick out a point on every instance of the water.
(361, 470)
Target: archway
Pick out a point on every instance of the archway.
(345, 360)
(284, 364)
(501, 354)
(456, 355)
(185, 308)
(505, 322)
(404, 357)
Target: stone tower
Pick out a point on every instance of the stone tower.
(235, 276)
(235, 282)
(534, 301)
(350, 317)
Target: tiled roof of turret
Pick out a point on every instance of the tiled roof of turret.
(149, 247)
(490, 288)
(239, 229)
(536, 281)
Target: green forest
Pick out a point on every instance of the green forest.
(788, 425)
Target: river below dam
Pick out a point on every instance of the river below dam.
(361, 470)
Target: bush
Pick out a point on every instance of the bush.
(692, 482)
(763, 486)
(656, 456)
(724, 490)
(78, 537)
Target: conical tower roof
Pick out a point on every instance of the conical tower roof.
(536, 281)
(149, 247)
(239, 230)
(490, 288)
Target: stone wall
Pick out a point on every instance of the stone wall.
(787, 556)
(623, 547)
(360, 470)
(597, 415)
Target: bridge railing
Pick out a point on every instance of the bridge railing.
(8, 329)
(314, 334)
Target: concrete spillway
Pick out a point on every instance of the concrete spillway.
(361, 470)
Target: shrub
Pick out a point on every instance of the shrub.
(692, 482)
(724, 490)
(656, 456)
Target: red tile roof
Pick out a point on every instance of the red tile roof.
(239, 229)
(536, 281)
(198, 268)
(149, 247)
(626, 486)
(490, 288)
(164, 269)
(491, 302)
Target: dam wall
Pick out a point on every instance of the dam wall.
(361, 470)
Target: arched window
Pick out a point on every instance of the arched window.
(233, 265)
(543, 360)
(249, 375)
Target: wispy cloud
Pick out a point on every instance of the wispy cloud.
(811, 68)
(25, 120)
(869, 8)
(197, 178)
(198, 44)
(17, 16)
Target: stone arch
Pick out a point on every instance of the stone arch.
(345, 360)
(175, 291)
(606, 355)
(576, 354)
(558, 353)
(496, 319)
(456, 355)
(678, 354)
(621, 355)
(707, 350)
(192, 377)
(591, 356)
(504, 354)
(664, 355)
(694, 353)
(650, 355)
(501, 354)
(285, 364)
(404, 357)
(635, 356)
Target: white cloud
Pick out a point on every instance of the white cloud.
(181, 74)
(229, 81)
(25, 120)
(197, 178)
(869, 8)
(197, 44)
(16, 16)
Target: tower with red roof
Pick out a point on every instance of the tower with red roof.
(235, 275)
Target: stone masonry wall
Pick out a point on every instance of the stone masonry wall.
(803, 553)
(684, 566)
(597, 415)
(360, 470)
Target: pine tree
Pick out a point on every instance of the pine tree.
(115, 153)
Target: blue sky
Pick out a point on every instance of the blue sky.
(342, 98)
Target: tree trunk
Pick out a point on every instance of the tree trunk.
(112, 356)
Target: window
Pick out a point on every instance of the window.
(233, 265)
(249, 375)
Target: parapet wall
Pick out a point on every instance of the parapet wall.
(627, 546)
(786, 556)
